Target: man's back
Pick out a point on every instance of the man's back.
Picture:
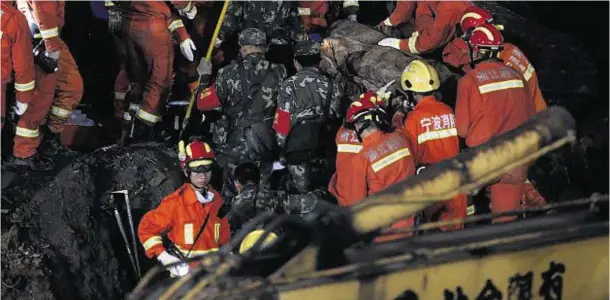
(492, 99)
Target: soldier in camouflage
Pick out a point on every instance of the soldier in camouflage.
(279, 20)
(246, 91)
(252, 199)
(307, 103)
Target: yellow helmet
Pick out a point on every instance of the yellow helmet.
(253, 237)
(420, 77)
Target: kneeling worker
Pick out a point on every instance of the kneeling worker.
(189, 215)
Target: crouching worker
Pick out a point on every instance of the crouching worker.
(252, 199)
(189, 215)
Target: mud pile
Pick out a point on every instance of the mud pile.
(58, 242)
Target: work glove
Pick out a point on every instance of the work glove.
(191, 13)
(20, 108)
(176, 270)
(52, 55)
(187, 47)
(204, 67)
(383, 93)
(114, 22)
(390, 42)
(353, 18)
(217, 43)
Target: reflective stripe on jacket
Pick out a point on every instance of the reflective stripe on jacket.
(181, 215)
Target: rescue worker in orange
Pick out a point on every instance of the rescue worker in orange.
(16, 56)
(313, 16)
(385, 157)
(189, 215)
(457, 53)
(492, 99)
(147, 28)
(348, 146)
(430, 128)
(435, 34)
(410, 14)
(122, 83)
(58, 91)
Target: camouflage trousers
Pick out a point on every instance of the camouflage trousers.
(228, 165)
(309, 176)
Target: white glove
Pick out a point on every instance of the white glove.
(191, 13)
(390, 42)
(383, 93)
(177, 270)
(187, 47)
(204, 67)
(54, 55)
(20, 108)
(217, 43)
(353, 18)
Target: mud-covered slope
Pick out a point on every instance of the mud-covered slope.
(58, 243)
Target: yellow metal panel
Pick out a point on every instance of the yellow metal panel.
(335, 291)
(585, 276)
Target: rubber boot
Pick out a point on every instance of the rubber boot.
(52, 144)
(35, 163)
(140, 132)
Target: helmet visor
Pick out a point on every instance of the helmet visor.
(199, 166)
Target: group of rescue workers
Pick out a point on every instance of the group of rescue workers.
(276, 108)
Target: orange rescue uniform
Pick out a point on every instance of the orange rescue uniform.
(181, 215)
(403, 13)
(348, 146)
(438, 32)
(432, 135)
(57, 93)
(150, 52)
(385, 159)
(456, 54)
(492, 99)
(16, 55)
(313, 13)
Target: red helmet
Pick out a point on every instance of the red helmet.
(486, 38)
(364, 108)
(199, 157)
(474, 16)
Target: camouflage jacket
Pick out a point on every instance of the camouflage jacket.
(278, 19)
(305, 97)
(247, 91)
(252, 201)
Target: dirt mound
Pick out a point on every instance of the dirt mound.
(58, 242)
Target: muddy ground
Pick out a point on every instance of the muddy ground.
(59, 243)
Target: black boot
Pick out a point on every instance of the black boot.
(34, 163)
(52, 144)
(140, 132)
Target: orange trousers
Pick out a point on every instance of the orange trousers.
(150, 57)
(56, 95)
(505, 197)
(121, 82)
(3, 104)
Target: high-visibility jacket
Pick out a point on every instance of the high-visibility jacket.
(430, 127)
(138, 11)
(313, 13)
(514, 58)
(16, 52)
(49, 17)
(181, 215)
(491, 100)
(385, 159)
(348, 146)
(418, 13)
(456, 54)
(440, 31)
